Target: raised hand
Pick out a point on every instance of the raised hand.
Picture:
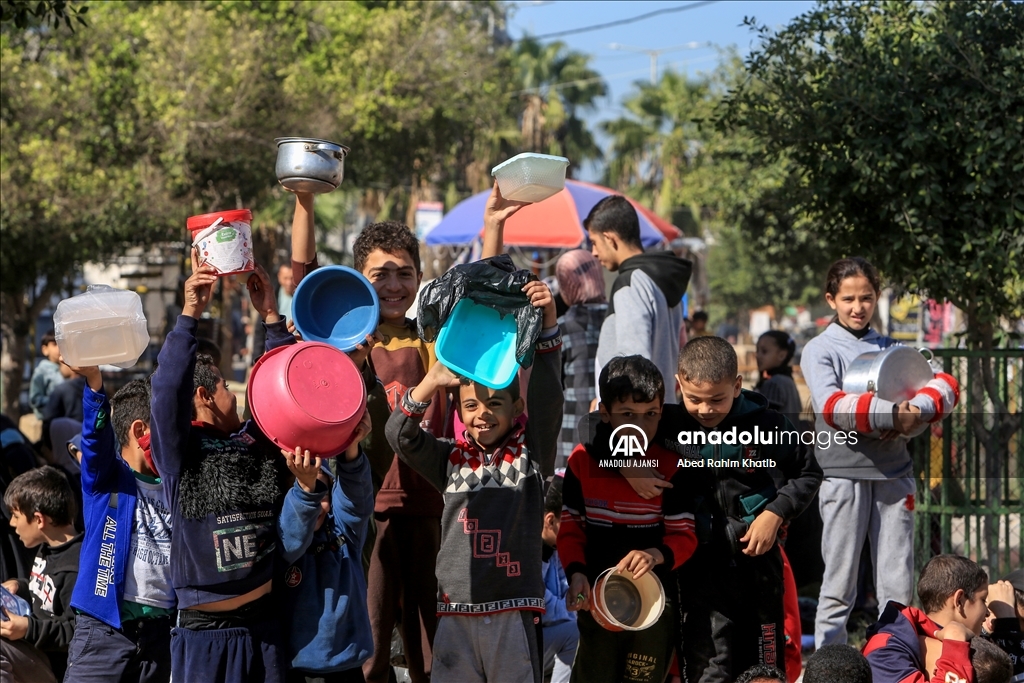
(363, 430)
(261, 294)
(304, 466)
(540, 297)
(199, 287)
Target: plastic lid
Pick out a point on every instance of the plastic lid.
(528, 155)
(205, 220)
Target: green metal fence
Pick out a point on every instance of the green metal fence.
(971, 465)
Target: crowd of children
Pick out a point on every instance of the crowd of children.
(209, 554)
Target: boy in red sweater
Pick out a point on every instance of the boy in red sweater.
(953, 592)
(605, 523)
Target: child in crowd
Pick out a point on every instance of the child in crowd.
(46, 376)
(606, 524)
(761, 674)
(747, 478)
(323, 598)
(953, 592)
(124, 599)
(35, 648)
(868, 490)
(490, 588)
(402, 586)
(1005, 626)
(224, 481)
(834, 663)
(581, 282)
(561, 634)
(775, 350)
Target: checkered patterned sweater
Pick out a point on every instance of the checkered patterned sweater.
(581, 329)
(490, 557)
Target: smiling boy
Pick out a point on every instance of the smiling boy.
(743, 495)
(405, 536)
(490, 588)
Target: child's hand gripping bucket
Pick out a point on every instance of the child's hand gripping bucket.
(622, 603)
(224, 240)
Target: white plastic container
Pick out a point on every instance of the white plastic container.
(102, 326)
(531, 177)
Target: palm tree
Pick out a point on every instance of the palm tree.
(555, 86)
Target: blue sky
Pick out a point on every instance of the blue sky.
(719, 24)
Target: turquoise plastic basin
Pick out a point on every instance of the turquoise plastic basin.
(477, 343)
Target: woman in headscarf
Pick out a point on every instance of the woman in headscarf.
(581, 286)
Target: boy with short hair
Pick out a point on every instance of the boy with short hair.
(489, 580)
(561, 636)
(405, 536)
(125, 601)
(46, 376)
(42, 509)
(952, 590)
(837, 663)
(744, 490)
(224, 481)
(606, 524)
(322, 526)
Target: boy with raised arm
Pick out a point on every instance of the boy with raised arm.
(224, 481)
(490, 589)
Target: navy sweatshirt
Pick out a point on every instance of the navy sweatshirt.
(224, 489)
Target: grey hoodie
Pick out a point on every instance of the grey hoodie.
(645, 314)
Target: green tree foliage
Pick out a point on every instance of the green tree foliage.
(23, 13)
(114, 134)
(667, 153)
(905, 124)
(555, 86)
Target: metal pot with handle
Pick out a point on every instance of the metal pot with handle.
(310, 164)
(895, 374)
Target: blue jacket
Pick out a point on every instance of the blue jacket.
(108, 502)
(555, 588)
(324, 590)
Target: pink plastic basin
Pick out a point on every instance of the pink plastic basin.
(309, 395)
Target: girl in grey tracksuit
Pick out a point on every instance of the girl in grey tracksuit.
(868, 489)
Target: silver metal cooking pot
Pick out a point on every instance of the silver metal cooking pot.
(310, 165)
(895, 374)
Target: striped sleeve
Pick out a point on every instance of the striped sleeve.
(680, 538)
(572, 531)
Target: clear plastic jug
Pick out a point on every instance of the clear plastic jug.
(102, 326)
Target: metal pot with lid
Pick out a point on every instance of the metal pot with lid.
(310, 164)
(895, 374)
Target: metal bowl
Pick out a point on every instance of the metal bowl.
(310, 164)
(895, 374)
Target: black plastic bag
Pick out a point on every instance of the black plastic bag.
(493, 282)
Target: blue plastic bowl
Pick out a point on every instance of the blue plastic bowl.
(335, 305)
(477, 343)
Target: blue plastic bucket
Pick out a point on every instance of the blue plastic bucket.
(477, 343)
(335, 305)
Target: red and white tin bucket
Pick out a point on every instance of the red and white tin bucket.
(224, 240)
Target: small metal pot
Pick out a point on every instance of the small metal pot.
(895, 374)
(310, 165)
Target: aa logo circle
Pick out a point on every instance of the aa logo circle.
(628, 441)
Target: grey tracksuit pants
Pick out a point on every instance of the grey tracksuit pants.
(852, 511)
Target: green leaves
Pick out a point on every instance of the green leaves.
(904, 120)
